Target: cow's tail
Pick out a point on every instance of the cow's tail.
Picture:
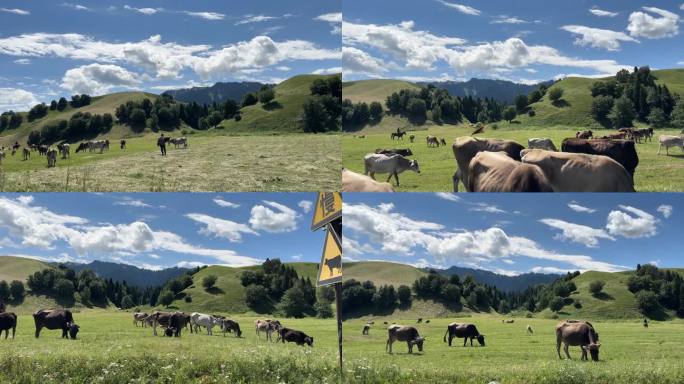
(445, 334)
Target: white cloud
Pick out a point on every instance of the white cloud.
(580, 208)
(448, 196)
(305, 205)
(487, 208)
(335, 17)
(133, 203)
(577, 233)
(353, 247)
(225, 204)
(665, 210)
(503, 19)
(642, 24)
(549, 270)
(16, 99)
(438, 78)
(356, 61)
(206, 15)
(144, 11)
(327, 71)
(77, 7)
(681, 6)
(282, 219)
(22, 61)
(598, 38)
(631, 222)
(461, 8)
(296, 257)
(247, 19)
(16, 11)
(221, 228)
(602, 13)
(98, 79)
(190, 264)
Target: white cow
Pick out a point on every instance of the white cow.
(541, 143)
(668, 141)
(393, 165)
(268, 326)
(354, 182)
(198, 320)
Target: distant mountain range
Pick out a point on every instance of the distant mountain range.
(502, 282)
(500, 90)
(133, 276)
(217, 93)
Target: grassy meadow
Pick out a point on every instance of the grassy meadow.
(655, 173)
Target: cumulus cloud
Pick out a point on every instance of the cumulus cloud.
(461, 8)
(598, 38)
(644, 24)
(98, 79)
(206, 15)
(448, 196)
(665, 210)
(356, 61)
(15, 99)
(144, 11)
(277, 220)
(327, 71)
(16, 11)
(225, 204)
(352, 247)
(577, 233)
(221, 228)
(335, 20)
(631, 222)
(575, 206)
(487, 208)
(602, 13)
(305, 205)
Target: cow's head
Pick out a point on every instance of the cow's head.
(309, 341)
(593, 349)
(73, 330)
(480, 339)
(169, 331)
(414, 166)
(418, 342)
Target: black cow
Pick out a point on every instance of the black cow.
(465, 331)
(56, 319)
(228, 325)
(122, 144)
(622, 151)
(294, 336)
(8, 320)
(395, 151)
(335, 262)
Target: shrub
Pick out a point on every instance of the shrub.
(596, 286)
(209, 281)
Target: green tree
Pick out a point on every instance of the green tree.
(657, 118)
(249, 99)
(596, 286)
(416, 109)
(678, 114)
(623, 113)
(64, 288)
(555, 94)
(320, 87)
(62, 104)
(521, 103)
(323, 309)
(509, 114)
(127, 302)
(255, 295)
(556, 304)
(437, 114)
(375, 111)
(137, 117)
(4, 291)
(647, 301)
(17, 290)
(214, 119)
(266, 96)
(165, 298)
(534, 96)
(404, 295)
(601, 107)
(53, 105)
(293, 303)
(209, 281)
(316, 117)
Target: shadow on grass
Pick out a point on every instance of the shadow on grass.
(272, 106)
(214, 291)
(560, 103)
(602, 296)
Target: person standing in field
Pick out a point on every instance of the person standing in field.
(161, 142)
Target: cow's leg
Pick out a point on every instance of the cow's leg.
(38, 328)
(465, 340)
(372, 175)
(455, 179)
(565, 348)
(450, 338)
(396, 177)
(410, 347)
(64, 333)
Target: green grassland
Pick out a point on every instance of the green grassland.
(383, 273)
(655, 173)
(19, 268)
(367, 91)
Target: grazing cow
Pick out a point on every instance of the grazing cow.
(27, 153)
(355, 182)
(393, 165)
(404, 333)
(228, 325)
(178, 141)
(395, 151)
(198, 320)
(645, 322)
(397, 135)
(122, 144)
(442, 141)
(432, 141)
(15, 147)
(541, 143)
(366, 329)
(578, 172)
(496, 172)
(464, 331)
(139, 317)
(580, 333)
(51, 157)
(412, 138)
(622, 151)
(420, 320)
(2, 306)
(465, 148)
(668, 141)
(509, 321)
(43, 149)
(529, 329)
(384, 322)
(56, 319)
(268, 326)
(8, 320)
(584, 134)
(427, 321)
(64, 149)
(172, 322)
(294, 336)
(616, 136)
(84, 146)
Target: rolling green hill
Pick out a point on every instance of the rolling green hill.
(382, 273)
(19, 268)
(368, 91)
(228, 295)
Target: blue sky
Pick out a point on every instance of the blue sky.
(52, 48)
(156, 230)
(516, 233)
(523, 41)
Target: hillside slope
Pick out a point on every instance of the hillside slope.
(19, 268)
(368, 91)
(382, 273)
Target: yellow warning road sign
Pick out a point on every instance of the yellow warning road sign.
(328, 208)
(330, 270)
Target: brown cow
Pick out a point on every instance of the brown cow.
(622, 151)
(580, 333)
(8, 320)
(578, 172)
(584, 134)
(355, 182)
(465, 148)
(496, 172)
(404, 333)
(465, 331)
(172, 322)
(56, 319)
(139, 317)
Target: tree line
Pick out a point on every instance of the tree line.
(322, 111)
(79, 126)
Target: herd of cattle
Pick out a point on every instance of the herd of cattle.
(568, 333)
(584, 164)
(63, 150)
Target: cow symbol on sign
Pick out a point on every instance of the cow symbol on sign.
(327, 203)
